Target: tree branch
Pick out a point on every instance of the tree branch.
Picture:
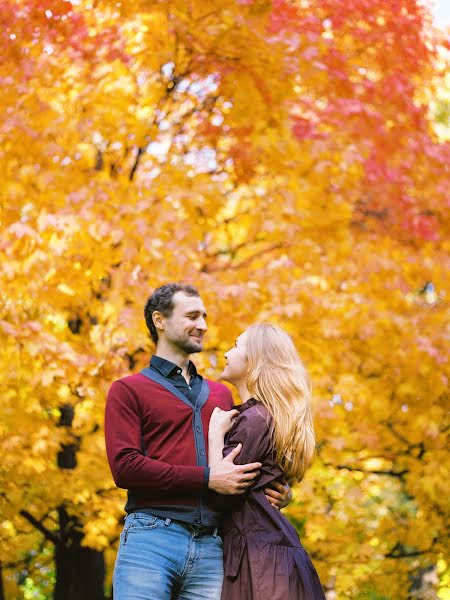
(389, 472)
(245, 262)
(47, 534)
(399, 550)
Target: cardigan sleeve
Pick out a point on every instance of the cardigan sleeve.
(129, 467)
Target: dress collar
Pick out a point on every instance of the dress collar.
(250, 402)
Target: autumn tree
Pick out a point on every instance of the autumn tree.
(282, 157)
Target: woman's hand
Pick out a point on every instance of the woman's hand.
(221, 421)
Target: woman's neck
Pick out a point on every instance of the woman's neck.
(243, 392)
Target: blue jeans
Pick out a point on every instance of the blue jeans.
(159, 559)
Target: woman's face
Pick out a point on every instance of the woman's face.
(236, 357)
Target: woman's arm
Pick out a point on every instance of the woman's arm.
(215, 444)
(220, 423)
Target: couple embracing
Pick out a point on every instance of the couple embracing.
(206, 479)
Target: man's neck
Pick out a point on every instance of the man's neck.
(175, 355)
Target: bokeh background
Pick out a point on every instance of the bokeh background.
(291, 160)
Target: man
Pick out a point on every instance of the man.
(156, 429)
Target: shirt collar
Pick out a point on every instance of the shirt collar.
(168, 368)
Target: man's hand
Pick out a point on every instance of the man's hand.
(278, 495)
(227, 478)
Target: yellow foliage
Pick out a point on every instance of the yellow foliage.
(241, 150)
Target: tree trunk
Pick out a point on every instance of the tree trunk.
(80, 571)
(2, 591)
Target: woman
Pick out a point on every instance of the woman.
(263, 557)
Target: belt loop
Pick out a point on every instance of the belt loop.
(216, 531)
(167, 522)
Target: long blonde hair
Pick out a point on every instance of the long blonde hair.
(276, 377)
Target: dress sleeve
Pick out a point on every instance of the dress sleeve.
(251, 429)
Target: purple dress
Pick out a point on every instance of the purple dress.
(263, 556)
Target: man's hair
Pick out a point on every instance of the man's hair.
(162, 301)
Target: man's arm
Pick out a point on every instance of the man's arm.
(129, 467)
(227, 478)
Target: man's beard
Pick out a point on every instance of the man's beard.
(187, 346)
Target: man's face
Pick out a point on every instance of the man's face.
(186, 325)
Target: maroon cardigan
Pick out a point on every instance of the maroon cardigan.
(156, 444)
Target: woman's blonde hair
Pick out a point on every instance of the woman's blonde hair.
(276, 377)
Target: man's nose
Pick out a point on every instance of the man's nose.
(201, 324)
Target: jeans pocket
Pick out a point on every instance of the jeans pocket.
(139, 522)
(142, 521)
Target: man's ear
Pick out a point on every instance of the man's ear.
(159, 320)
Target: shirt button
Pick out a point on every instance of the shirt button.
(202, 453)
(198, 430)
(198, 520)
(178, 371)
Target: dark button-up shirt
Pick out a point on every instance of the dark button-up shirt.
(172, 372)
